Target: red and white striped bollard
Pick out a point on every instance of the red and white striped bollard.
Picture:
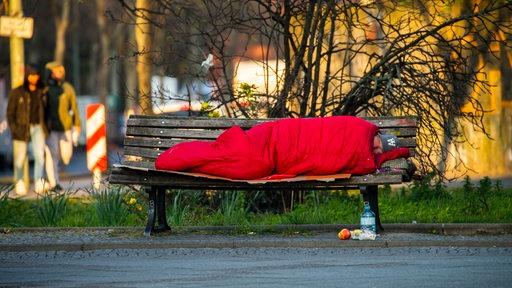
(96, 143)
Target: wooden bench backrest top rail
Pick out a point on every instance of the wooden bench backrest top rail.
(224, 123)
(147, 136)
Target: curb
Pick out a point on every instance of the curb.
(229, 244)
(452, 228)
(425, 228)
(231, 237)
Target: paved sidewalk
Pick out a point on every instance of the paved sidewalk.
(398, 235)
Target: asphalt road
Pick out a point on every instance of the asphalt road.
(262, 267)
(110, 258)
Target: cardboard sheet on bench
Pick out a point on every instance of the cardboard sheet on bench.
(323, 178)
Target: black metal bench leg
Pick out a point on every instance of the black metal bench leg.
(156, 211)
(161, 213)
(371, 195)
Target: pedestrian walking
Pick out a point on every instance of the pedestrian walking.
(63, 121)
(25, 115)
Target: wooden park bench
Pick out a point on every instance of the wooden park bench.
(147, 136)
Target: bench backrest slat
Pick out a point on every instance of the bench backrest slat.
(167, 132)
(192, 122)
(147, 136)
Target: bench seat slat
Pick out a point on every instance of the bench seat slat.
(126, 176)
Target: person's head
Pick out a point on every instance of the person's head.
(57, 71)
(32, 76)
(384, 142)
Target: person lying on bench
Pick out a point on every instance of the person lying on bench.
(286, 148)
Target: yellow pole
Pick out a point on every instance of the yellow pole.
(17, 67)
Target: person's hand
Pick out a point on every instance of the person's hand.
(75, 135)
(377, 144)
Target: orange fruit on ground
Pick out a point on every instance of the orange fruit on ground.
(344, 234)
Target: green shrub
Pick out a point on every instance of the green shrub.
(429, 188)
(52, 206)
(180, 209)
(233, 209)
(110, 205)
(475, 198)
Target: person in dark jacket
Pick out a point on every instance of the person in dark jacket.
(63, 121)
(25, 115)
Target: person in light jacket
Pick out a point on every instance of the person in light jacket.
(63, 121)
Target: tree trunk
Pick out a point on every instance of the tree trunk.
(143, 38)
(61, 18)
(102, 73)
(130, 68)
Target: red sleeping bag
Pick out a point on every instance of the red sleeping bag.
(283, 148)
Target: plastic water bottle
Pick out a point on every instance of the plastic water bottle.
(368, 219)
